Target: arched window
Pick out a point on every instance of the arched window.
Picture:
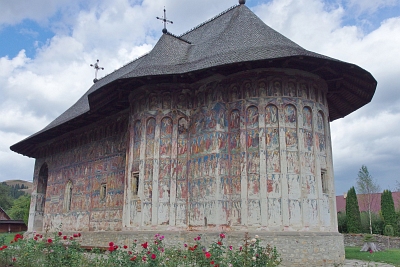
(68, 196)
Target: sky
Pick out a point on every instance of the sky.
(46, 48)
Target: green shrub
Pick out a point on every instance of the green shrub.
(389, 231)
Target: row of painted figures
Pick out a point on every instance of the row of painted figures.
(201, 98)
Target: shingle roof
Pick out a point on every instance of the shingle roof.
(235, 36)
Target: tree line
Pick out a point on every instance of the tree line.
(14, 201)
(384, 222)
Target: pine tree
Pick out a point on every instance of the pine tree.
(353, 212)
(387, 209)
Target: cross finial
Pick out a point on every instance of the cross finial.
(97, 68)
(165, 21)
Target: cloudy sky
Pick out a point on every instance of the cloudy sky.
(46, 48)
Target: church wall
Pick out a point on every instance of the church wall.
(89, 159)
(249, 151)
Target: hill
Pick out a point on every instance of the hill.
(21, 182)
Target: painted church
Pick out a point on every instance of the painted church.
(223, 128)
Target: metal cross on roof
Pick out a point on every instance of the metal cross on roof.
(165, 21)
(97, 68)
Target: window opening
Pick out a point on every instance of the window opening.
(135, 183)
(103, 191)
(324, 182)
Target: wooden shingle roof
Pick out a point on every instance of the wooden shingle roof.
(234, 40)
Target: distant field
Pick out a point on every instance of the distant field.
(390, 256)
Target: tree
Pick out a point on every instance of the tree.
(387, 209)
(353, 218)
(367, 186)
(5, 199)
(20, 209)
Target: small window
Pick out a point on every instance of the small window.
(135, 183)
(324, 182)
(68, 196)
(103, 191)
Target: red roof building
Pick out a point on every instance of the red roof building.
(363, 202)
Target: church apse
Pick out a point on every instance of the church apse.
(247, 151)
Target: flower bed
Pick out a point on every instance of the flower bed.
(62, 250)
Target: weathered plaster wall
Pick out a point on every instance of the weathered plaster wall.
(88, 159)
(250, 150)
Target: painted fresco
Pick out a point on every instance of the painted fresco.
(307, 118)
(204, 161)
(101, 160)
(290, 116)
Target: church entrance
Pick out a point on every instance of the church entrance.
(41, 197)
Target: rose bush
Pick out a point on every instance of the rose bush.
(61, 250)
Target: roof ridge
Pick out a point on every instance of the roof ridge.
(139, 57)
(178, 37)
(209, 20)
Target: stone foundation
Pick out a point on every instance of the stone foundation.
(306, 249)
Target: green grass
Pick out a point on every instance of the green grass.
(7, 237)
(390, 256)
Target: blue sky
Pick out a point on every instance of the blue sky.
(46, 49)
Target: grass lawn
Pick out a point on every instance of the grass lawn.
(390, 256)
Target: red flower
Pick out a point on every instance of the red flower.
(71, 238)
(49, 241)
(130, 252)
(59, 234)
(208, 255)
(111, 244)
(144, 259)
(212, 262)
(35, 238)
(14, 259)
(125, 246)
(75, 235)
(79, 234)
(133, 258)
(153, 256)
(219, 243)
(145, 245)
(18, 236)
(115, 247)
(111, 249)
(222, 235)
(65, 237)
(148, 252)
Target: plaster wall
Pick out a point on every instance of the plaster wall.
(89, 159)
(247, 151)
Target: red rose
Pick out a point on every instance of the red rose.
(222, 235)
(111, 249)
(133, 258)
(153, 256)
(219, 243)
(65, 237)
(130, 252)
(208, 255)
(79, 235)
(49, 240)
(125, 246)
(111, 244)
(59, 234)
(145, 245)
(212, 262)
(71, 238)
(75, 235)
